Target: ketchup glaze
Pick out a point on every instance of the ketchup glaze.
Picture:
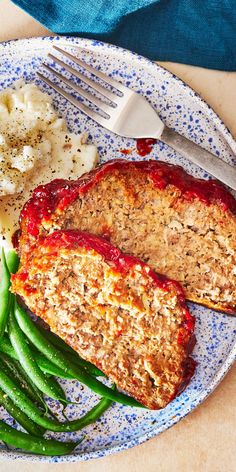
(144, 145)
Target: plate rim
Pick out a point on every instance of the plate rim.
(231, 357)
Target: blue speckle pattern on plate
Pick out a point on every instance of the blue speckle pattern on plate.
(123, 427)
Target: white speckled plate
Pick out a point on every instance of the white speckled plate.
(179, 107)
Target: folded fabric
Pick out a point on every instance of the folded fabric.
(197, 32)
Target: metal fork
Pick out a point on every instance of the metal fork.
(126, 113)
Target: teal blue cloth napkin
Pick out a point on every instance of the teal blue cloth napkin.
(198, 32)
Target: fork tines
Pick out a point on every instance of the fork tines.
(103, 108)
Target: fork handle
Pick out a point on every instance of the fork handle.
(204, 159)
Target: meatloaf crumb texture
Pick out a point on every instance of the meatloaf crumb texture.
(114, 310)
(182, 227)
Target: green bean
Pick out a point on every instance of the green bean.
(21, 382)
(92, 415)
(20, 416)
(54, 384)
(48, 367)
(5, 368)
(28, 362)
(55, 340)
(9, 356)
(21, 378)
(44, 363)
(6, 347)
(27, 406)
(70, 353)
(78, 361)
(46, 447)
(15, 371)
(5, 295)
(12, 261)
(55, 356)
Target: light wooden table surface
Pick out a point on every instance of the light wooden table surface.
(205, 440)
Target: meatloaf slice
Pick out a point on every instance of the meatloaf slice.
(181, 226)
(114, 310)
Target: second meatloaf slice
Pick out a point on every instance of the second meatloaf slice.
(114, 310)
(182, 227)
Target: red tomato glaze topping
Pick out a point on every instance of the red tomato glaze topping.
(144, 146)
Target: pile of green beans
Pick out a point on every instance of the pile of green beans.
(30, 359)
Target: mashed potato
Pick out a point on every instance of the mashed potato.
(35, 147)
(32, 137)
